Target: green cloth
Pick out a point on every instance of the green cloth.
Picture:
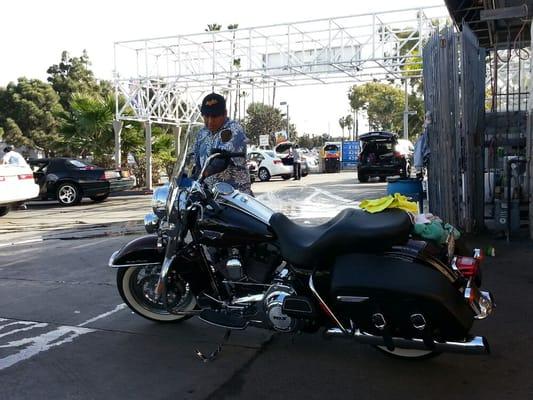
(436, 232)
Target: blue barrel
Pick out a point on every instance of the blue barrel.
(409, 187)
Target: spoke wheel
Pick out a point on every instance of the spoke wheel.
(137, 285)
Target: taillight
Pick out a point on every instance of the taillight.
(468, 266)
(2, 178)
(397, 154)
(277, 161)
(25, 176)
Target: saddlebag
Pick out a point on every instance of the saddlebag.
(364, 285)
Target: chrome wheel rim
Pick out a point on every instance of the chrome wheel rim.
(67, 194)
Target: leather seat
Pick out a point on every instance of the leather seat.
(350, 231)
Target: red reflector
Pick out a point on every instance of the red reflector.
(468, 266)
(25, 176)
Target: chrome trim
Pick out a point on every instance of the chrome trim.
(151, 223)
(255, 298)
(474, 345)
(325, 306)
(159, 200)
(418, 321)
(352, 299)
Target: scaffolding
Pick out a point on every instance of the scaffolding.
(162, 80)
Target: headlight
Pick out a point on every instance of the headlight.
(151, 223)
(159, 200)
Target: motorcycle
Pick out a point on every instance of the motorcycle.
(226, 257)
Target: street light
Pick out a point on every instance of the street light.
(284, 103)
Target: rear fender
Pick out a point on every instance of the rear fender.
(140, 251)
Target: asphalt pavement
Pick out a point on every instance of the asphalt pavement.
(65, 333)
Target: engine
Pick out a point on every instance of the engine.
(273, 303)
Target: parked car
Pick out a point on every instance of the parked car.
(269, 165)
(252, 169)
(283, 151)
(16, 186)
(68, 180)
(380, 157)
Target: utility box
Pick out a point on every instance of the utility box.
(501, 215)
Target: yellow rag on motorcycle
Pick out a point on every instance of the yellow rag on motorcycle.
(396, 201)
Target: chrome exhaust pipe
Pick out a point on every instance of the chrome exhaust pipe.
(475, 345)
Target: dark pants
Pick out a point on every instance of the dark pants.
(297, 170)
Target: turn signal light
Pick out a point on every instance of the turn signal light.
(468, 266)
(25, 176)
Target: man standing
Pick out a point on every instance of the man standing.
(12, 157)
(297, 163)
(209, 138)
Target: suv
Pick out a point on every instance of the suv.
(381, 156)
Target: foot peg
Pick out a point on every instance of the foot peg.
(224, 319)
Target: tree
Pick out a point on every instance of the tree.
(384, 105)
(263, 119)
(342, 124)
(72, 75)
(213, 27)
(29, 115)
(348, 122)
(89, 127)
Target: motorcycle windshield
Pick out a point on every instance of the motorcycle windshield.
(183, 168)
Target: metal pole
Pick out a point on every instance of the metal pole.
(117, 127)
(406, 114)
(288, 121)
(148, 133)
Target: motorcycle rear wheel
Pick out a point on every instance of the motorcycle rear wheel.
(136, 286)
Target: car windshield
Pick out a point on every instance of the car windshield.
(79, 164)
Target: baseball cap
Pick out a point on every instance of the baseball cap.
(213, 105)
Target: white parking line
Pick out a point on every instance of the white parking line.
(44, 342)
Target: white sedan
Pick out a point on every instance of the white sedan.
(269, 165)
(16, 186)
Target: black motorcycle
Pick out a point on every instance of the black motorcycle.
(228, 258)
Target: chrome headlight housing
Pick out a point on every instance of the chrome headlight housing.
(159, 200)
(151, 223)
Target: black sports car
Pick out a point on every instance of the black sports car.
(69, 179)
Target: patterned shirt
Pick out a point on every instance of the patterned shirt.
(236, 175)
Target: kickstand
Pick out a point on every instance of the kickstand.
(213, 355)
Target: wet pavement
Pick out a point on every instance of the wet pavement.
(311, 200)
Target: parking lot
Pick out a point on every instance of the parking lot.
(65, 334)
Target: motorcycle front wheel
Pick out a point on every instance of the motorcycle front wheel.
(136, 286)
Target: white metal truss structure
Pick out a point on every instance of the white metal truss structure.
(163, 79)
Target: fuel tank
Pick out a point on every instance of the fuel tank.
(232, 226)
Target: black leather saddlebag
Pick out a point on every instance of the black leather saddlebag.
(365, 284)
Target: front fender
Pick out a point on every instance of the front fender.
(141, 251)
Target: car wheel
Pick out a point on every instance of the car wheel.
(363, 178)
(100, 198)
(263, 174)
(68, 194)
(4, 210)
(285, 177)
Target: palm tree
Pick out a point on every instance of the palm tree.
(342, 124)
(213, 27)
(348, 121)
